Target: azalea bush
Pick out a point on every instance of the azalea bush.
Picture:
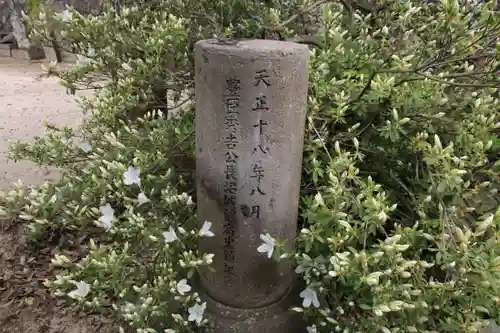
(399, 213)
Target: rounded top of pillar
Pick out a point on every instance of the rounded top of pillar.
(253, 46)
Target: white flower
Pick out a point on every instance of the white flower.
(268, 245)
(170, 235)
(82, 289)
(85, 146)
(205, 230)
(108, 214)
(142, 198)
(311, 329)
(196, 312)
(183, 287)
(208, 258)
(64, 16)
(310, 297)
(132, 176)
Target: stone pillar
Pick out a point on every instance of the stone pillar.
(251, 99)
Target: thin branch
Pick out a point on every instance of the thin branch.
(464, 85)
(368, 83)
(450, 61)
(320, 138)
(364, 90)
(433, 59)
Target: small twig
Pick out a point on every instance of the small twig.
(368, 84)
(464, 85)
(320, 138)
(364, 90)
(449, 61)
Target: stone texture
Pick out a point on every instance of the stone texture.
(5, 50)
(5, 26)
(251, 99)
(274, 318)
(32, 53)
(11, 20)
(18, 24)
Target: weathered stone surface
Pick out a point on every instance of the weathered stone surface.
(18, 24)
(5, 50)
(32, 53)
(5, 26)
(11, 20)
(274, 318)
(251, 101)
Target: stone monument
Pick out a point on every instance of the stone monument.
(251, 99)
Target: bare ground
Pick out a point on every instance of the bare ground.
(26, 102)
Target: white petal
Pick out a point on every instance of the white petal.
(106, 221)
(64, 16)
(107, 210)
(205, 230)
(310, 297)
(183, 287)
(131, 176)
(82, 290)
(108, 214)
(196, 313)
(263, 248)
(315, 300)
(268, 239)
(170, 235)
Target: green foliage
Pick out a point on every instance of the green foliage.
(399, 212)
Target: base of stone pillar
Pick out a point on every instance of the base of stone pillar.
(273, 318)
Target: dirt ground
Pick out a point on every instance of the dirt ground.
(26, 102)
